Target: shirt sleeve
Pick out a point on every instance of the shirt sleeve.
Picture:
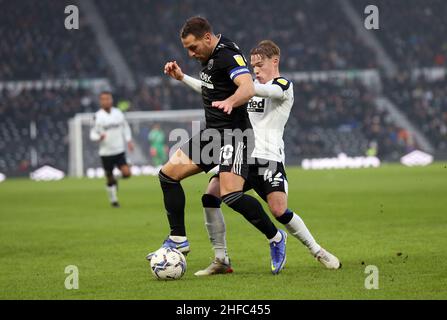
(193, 83)
(235, 65)
(127, 131)
(95, 131)
(269, 91)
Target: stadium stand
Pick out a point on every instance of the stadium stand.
(424, 101)
(35, 45)
(412, 31)
(328, 117)
(313, 34)
(48, 112)
(332, 117)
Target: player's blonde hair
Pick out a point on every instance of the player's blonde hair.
(266, 49)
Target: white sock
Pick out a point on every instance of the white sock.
(178, 238)
(276, 238)
(298, 229)
(113, 193)
(215, 225)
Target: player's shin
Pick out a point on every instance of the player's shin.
(296, 227)
(174, 201)
(215, 225)
(112, 191)
(252, 210)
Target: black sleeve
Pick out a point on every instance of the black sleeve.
(234, 64)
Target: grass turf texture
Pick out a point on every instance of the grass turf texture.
(392, 217)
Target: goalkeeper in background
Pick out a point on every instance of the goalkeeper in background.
(158, 148)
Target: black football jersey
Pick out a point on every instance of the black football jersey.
(217, 75)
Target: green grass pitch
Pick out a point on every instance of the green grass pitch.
(392, 217)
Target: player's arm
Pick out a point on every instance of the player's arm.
(269, 91)
(96, 132)
(244, 92)
(278, 89)
(174, 71)
(128, 135)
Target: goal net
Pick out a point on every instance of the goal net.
(175, 124)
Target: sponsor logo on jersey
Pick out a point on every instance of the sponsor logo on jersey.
(256, 105)
(205, 77)
(206, 80)
(115, 125)
(240, 60)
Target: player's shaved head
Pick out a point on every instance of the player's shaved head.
(266, 49)
(106, 100)
(196, 26)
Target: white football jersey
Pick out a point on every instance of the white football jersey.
(269, 111)
(116, 129)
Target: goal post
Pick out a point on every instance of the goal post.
(83, 153)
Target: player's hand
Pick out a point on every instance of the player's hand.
(102, 136)
(225, 105)
(130, 146)
(173, 70)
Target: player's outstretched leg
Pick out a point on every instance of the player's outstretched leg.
(296, 227)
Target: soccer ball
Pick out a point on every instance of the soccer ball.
(168, 264)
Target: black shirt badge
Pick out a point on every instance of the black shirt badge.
(210, 64)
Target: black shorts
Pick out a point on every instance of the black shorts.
(110, 162)
(265, 177)
(210, 148)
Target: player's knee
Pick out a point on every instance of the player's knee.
(213, 187)
(211, 201)
(166, 180)
(110, 179)
(277, 209)
(126, 174)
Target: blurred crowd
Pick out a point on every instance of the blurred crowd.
(34, 123)
(332, 117)
(413, 32)
(424, 101)
(313, 35)
(35, 44)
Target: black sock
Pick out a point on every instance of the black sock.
(252, 210)
(113, 183)
(286, 217)
(174, 199)
(210, 201)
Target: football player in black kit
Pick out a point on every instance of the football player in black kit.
(226, 86)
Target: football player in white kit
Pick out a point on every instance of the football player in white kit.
(113, 133)
(268, 111)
